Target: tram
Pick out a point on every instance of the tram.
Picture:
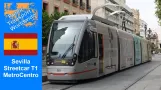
(85, 46)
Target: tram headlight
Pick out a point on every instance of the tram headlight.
(74, 57)
(71, 62)
(47, 63)
(52, 63)
(47, 60)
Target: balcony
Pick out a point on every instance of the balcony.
(82, 6)
(129, 26)
(129, 18)
(115, 1)
(75, 3)
(112, 8)
(88, 9)
(67, 1)
(112, 19)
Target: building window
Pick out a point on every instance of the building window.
(73, 1)
(56, 9)
(87, 48)
(81, 2)
(66, 11)
(87, 1)
(45, 5)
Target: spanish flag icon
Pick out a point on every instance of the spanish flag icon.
(20, 44)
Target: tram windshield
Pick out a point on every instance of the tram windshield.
(63, 38)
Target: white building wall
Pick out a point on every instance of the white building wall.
(96, 3)
(159, 44)
(142, 28)
(104, 13)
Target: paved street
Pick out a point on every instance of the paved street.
(44, 68)
(143, 77)
(151, 82)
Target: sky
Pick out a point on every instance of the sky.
(147, 13)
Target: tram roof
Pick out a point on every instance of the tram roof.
(87, 17)
(77, 17)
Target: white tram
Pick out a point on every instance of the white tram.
(85, 46)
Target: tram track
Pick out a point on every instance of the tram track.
(68, 87)
(62, 86)
(139, 79)
(128, 85)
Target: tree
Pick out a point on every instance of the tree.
(158, 10)
(47, 22)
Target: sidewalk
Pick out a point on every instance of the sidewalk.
(44, 72)
(151, 82)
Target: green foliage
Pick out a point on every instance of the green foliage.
(47, 21)
(158, 10)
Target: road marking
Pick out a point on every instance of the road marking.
(44, 83)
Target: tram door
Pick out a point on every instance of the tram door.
(100, 39)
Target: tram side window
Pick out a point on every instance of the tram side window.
(91, 44)
(100, 46)
(87, 49)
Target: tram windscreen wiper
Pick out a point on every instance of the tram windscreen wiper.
(70, 47)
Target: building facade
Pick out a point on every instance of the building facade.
(154, 40)
(159, 44)
(143, 33)
(68, 6)
(117, 19)
(136, 14)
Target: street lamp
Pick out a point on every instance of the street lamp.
(116, 12)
